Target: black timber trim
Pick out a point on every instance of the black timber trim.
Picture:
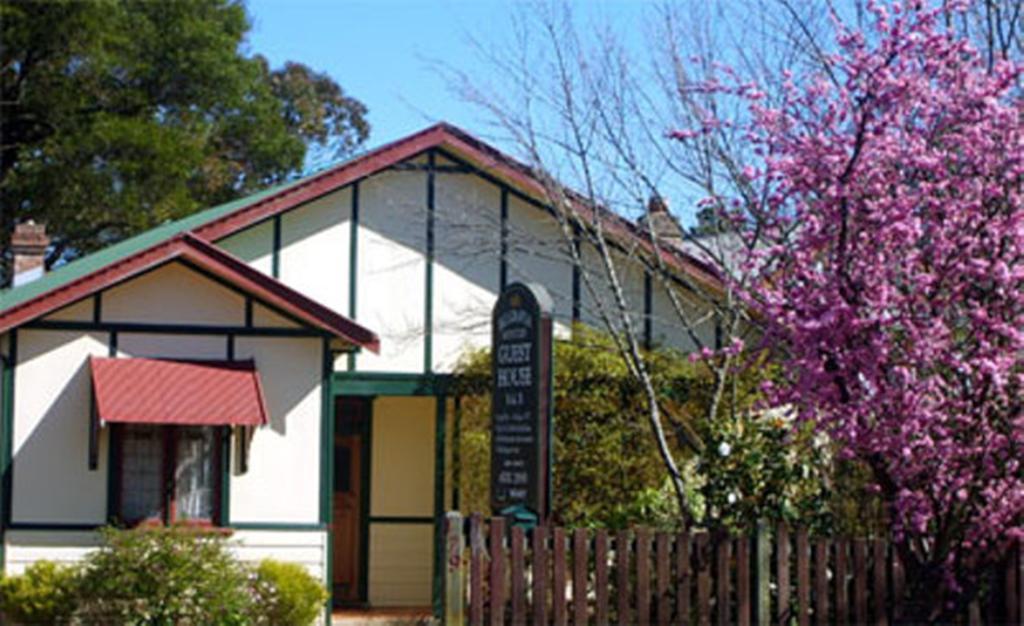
(401, 519)
(503, 276)
(440, 421)
(404, 166)
(353, 263)
(173, 329)
(428, 299)
(577, 254)
(97, 307)
(648, 311)
(275, 256)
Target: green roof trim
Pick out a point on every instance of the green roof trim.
(84, 266)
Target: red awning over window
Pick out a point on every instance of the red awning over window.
(155, 391)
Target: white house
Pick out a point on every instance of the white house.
(280, 365)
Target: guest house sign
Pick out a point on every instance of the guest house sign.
(521, 402)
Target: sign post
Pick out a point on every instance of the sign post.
(521, 406)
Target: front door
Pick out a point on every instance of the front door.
(351, 422)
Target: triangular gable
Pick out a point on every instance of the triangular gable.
(224, 220)
(205, 256)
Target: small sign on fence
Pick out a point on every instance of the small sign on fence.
(521, 403)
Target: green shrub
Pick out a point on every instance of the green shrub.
(173, 575)
(286, 594)
(44, 594)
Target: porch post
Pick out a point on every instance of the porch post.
(440, 418)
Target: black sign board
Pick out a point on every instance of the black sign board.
(521, 402)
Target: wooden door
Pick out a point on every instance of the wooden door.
(351, 416)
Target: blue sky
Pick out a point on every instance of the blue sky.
(381, 52)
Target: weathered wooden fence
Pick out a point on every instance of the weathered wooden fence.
(504, 575)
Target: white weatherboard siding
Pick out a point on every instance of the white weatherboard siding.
(392, 269)
(401, 485)
(315, 249)
(52, 482)
(307, 548)
(24, 547)
(467, 268)
(401, 561)
(283, 481)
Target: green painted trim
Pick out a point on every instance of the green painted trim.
(457, 453)
(225, 474)
(229, 349)
(392, 519)
(287, 526)
(440, 417)
(390, 384)
(275, 255)
(326, 433)
(248, 312)
(503, 267)
(428, 297)
(56, 526)
(172, 329)
(353, 263)
(327, 464)
(364, 504)
(6, 438)
(97, 307)
(113, 449)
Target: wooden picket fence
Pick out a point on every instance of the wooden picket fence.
(497, 575)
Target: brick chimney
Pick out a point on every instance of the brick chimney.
(665, 227)
(28, 245)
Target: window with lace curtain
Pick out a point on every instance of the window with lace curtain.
(168, 473)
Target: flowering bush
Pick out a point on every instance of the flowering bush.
(892, 186)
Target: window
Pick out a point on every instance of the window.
(168, 473)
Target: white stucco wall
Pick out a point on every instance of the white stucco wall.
(51, 480)
(283, 481)
(314, 258)
(52, 392)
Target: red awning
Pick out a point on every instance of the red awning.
(156, 391)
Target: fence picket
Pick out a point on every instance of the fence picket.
(703, 552)
(878, 594)
(661, 573)
(579, 576)
(743, 581)
(803, 579)
(601, 577)
(784, 614)
(643, 577)
(518, 541)
(622, 576)
(559, 607)
(497, 578)
(842, 608)
(683, 576)
(540, 575)
(860, 582)
(476, 567)
(821, 582)
(722, 580)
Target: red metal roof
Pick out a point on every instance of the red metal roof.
(155, 391)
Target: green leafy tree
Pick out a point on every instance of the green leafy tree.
(117, 115)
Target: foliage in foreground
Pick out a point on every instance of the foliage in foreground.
(607, 471)
(173, 575)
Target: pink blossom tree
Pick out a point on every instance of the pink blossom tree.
(893, 288)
